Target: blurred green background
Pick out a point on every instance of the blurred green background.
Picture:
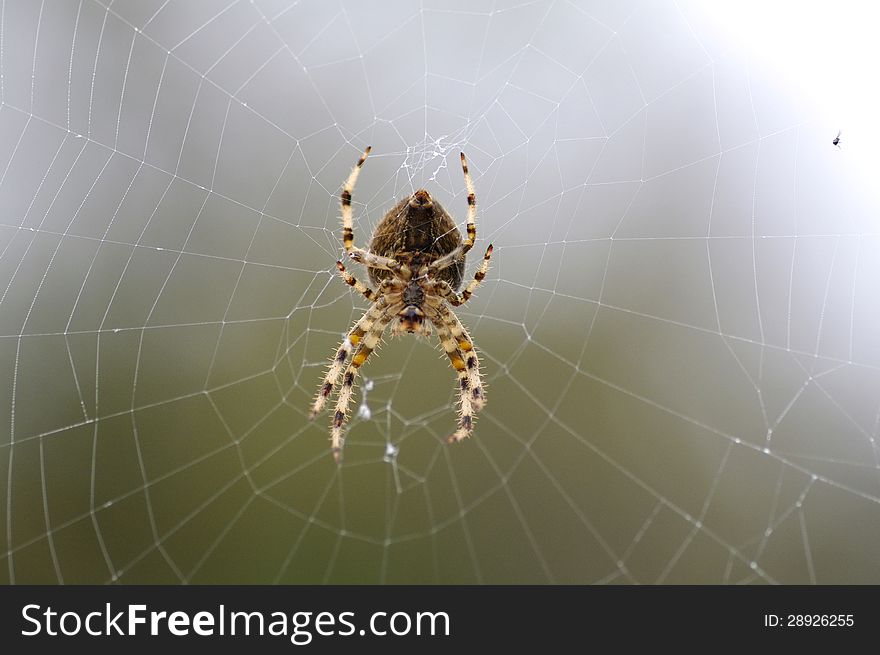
(679, 329)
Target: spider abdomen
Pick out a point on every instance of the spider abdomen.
(417, 226)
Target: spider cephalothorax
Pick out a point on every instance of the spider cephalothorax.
(416, 259)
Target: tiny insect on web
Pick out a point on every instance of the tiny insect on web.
(416, 260)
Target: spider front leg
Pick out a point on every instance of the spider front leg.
(458, 360)
(368, 345)
(460, 349)
(352, 339)
(466, 346)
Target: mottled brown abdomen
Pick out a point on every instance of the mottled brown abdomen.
(424, 229)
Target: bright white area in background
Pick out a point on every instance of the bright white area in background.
(830, 51)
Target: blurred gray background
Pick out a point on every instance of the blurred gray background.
(679, 330)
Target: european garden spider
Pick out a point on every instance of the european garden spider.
(416, 260)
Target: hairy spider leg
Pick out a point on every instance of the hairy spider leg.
(462, 249)
(352, 339)
(352, 281)
(369, 343)
(448, 293)
(465, 344)
(358, 254)
(466, 377)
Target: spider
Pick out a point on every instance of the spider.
(416, 261)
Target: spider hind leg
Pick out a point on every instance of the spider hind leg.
(358, 254)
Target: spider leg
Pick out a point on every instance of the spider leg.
(447, 292)
(353, 338)
(345, 197)
(358, 254)
(462, 249)
(472, 207)
(473, 396)
(369, 343)
(479, 276)
(352, 281)
(466, 345)
(457, 359)
(371, 260)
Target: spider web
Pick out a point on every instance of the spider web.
(679, 329)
